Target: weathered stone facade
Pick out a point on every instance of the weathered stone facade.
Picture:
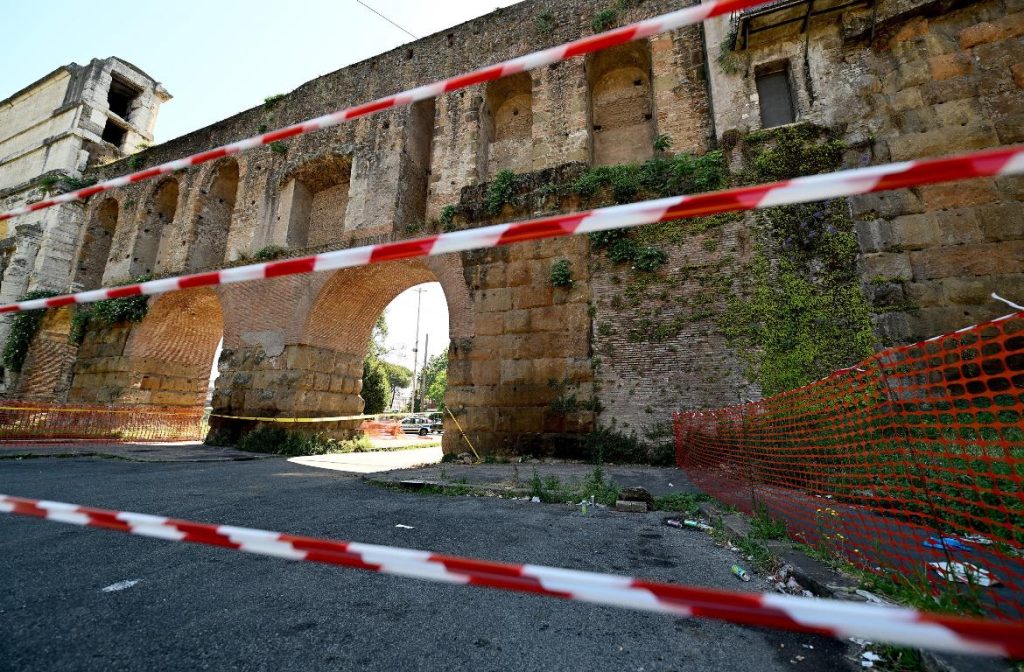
(533, 366)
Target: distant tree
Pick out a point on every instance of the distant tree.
(398, 375)
(376, 388)
(376, 376)
(435, 377)
(437, 389)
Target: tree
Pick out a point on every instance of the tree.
(376, 388)
(376, 376)
(398, 375)
(437, 389)
(435, 377)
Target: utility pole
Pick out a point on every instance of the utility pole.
(415, 346)
(423, 372)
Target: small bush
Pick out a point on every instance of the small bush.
(545, 22)
(447, 218)
(662, 142)
(610, 445)
(500, 191)
(603, 20)
(278, 147)
(684, 502)
(270, 101)
(561, 274)
(269, 253)
(649, 259)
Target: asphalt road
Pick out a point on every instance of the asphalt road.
(206, 608)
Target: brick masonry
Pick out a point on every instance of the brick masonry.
(533, 366)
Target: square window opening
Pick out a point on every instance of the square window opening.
(120, 97)
(775, 97)
(113, 133)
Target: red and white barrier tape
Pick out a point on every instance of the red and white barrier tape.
(636, 31)
(800, 190)
(833, 618)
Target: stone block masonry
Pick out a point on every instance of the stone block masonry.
(636, 332)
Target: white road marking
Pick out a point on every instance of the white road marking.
(120, 585)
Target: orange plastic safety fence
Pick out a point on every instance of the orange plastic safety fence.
(913, 457)
(35, 421)
(381, 428)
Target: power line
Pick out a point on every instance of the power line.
(387, 19)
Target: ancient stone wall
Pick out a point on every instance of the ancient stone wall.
(553, 338)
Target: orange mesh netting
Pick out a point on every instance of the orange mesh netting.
(913, 456)
(381, 428)
(28, 421)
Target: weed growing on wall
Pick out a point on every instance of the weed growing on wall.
(545, 23)
(561, 273)
(109, 312)
(501, 191)
(603, 20)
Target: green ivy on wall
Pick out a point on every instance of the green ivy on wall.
(108, 313)
(24, 326)
(801, 313)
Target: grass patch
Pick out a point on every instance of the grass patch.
(684, 502)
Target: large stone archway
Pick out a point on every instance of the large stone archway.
(294, 347)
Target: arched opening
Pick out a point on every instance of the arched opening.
(313, 202)
(622, 126)
(506, 126)
(95, 249)
(165, 360)
(158, 216)
(213, 219)
(174, 348)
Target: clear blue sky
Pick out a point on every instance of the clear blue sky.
(216, 57)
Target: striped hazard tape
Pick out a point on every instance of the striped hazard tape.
(908, 627)
(989, 163)
(636, 31)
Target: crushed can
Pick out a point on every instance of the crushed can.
(740, 573)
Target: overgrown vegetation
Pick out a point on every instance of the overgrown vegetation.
(682, 502)
(447, 218)
(271, 101)
(279, 147)
(662, 142)
(545, 23)
(728, 60)
(109, 312)
(501, 191)
(801, 313)
(603, 20)
(61, 184)
(561, 274)
(24, 326)
(611, 445)
(277, 441)
(596, 484)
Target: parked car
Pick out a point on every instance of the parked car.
(416, 425)
(437, 422)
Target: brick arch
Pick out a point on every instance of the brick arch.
(175, 344)
(214, 209)
(506, 133)
(154, 226)
(95, 246)
(348, 305)
(621, 104)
